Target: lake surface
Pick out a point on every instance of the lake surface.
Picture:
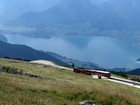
(104, 51)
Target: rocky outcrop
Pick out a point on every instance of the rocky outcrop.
(12, 70)
(3, 38)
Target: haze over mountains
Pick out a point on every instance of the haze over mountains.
(66, 12)
(110, 18)
(2, 38)
(126, 12)
(24, 52)
(12, 9)
(8, 8)
(28, 53)
(109, 15)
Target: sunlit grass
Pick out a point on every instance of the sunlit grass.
(60, 88)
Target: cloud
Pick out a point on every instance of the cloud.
(10, 9)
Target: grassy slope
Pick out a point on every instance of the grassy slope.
(61, 88)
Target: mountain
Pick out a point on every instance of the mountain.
(126, 12)
(112, 18)
(134, 72)
(25, 52)
(8, 10)
(76, 63)
(66, 12)
(109, 15)
(119, 69)
(3, 38)
(138, 60)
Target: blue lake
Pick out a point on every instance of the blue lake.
(104, 51)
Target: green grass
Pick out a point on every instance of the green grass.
(60, 88)
(134, 78)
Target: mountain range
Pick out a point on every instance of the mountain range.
(77, 63)
(66, 12)
(3, 38)
(28, 53)
(82, 17)
(24, 52)
(109, 15)
(134, 72)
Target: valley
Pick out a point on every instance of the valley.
(67, 52)
(105, 51)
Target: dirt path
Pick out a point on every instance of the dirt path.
(45, 62)
(120, 80)
(125, 81)
(113, 79)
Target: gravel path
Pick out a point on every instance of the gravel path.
(113, 79)
(125, 81)
(45, 62)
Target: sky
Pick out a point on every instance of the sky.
(10, 9)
